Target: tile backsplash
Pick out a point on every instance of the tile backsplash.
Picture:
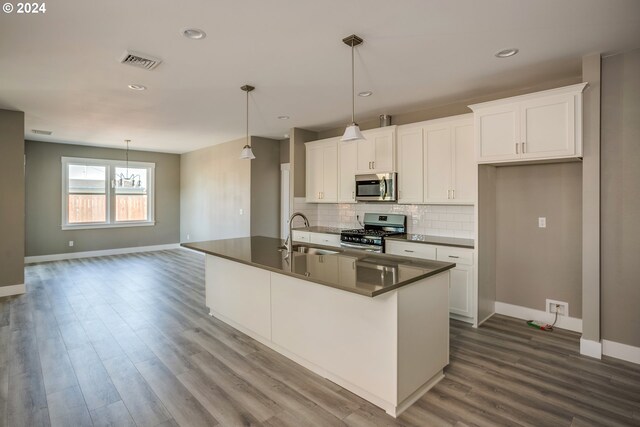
(434, 220)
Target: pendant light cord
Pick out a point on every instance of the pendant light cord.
(353, 87)
(127, 157)
(248, 118)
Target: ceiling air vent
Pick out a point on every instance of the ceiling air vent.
(140, 60)
(41, 132)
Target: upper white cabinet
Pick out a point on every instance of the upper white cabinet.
(410, 169)
(348, 157)
(377, 152)
(322, 171)
(436, 163)
(539, 126)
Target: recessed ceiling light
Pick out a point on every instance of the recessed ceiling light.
(505, 53)
(365, 93)
(194, 34)
(283, 117)
(137, 87)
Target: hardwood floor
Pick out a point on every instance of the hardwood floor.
(126, 340)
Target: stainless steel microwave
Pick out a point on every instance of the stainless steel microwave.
(379, 187)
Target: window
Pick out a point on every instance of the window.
(106, 193)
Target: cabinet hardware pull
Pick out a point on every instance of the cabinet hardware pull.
(373, 164)
(517, 148)
(353, 195)
(407, 250)
(453, 256)
(453, 194)
(523, 146)
(448, 194)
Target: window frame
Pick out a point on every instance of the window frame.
(110, 193)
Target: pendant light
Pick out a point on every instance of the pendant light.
(352, 133)
(247, 153)
(124, 179)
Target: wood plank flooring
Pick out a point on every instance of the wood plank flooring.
(127, 341)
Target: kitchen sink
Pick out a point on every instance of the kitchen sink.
(313, 251)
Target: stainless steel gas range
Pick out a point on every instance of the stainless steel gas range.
(376, 227)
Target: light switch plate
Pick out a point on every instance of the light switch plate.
(542, 222)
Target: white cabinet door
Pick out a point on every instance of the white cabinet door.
(464, 164)
(322, 171)
(384, 152)
(547, 127)
(461, 290)
(497, 133)
(409, 249)
(325, 239)
(376, 153)
(329, 192)
(437, 163)
(314, 172)
(366, 155)
(348, 158)
(300, 236)
(410, 168)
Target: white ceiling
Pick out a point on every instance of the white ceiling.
(62, 68)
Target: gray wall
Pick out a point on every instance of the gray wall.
(533, 263)
(44, 197)
(214, 185)
(12, 192)
(265, 187)
(284, 150)
(620, 205)
(486, 244)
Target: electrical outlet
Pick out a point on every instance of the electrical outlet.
(542, 222)
(561, 307)
(70, 243)
(241, 211)
(188, 236)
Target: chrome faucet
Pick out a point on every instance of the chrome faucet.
(289, 242)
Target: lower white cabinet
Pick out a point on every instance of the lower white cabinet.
(300, 236)
(412, 250)
(325, 239)
(462, 287)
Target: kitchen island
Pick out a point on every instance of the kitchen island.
(377, 325)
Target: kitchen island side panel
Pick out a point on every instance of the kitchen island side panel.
(423, 334)
(239, 293)
(352, 336)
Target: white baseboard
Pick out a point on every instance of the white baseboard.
(7, 291)
(621, 351)
(106, 252)
(591, 348)
(526, 313)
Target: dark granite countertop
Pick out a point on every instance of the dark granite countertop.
(434, 240)
(353, 271)
(319, 229)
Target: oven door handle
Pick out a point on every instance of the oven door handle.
(368, 248)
